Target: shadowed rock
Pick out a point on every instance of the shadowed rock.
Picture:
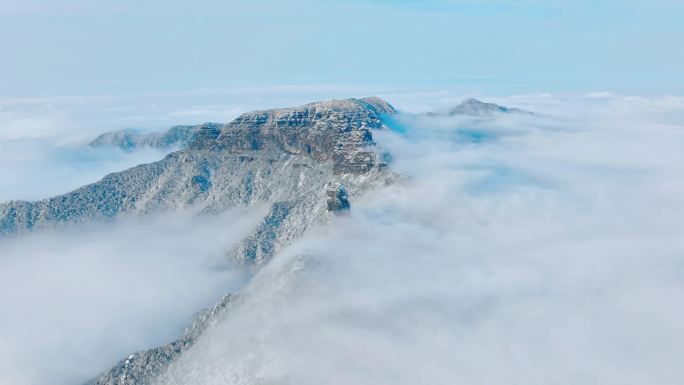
(338, 198)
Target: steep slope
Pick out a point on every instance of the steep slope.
(174, 137)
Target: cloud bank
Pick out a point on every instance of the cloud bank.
(78, 299)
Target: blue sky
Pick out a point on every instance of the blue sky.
(62, 47)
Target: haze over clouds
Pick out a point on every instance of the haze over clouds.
(548, 250)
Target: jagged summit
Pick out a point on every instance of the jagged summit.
(475, 107)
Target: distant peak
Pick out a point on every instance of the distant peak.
(475, 107)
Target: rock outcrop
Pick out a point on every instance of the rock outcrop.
(338, 198)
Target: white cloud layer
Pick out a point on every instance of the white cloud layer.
(77, 300)
(546, 251)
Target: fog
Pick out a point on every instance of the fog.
(77, 300)
(529, 250)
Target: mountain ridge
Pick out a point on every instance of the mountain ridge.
(337, 131)
(130, 139)
(307, 163)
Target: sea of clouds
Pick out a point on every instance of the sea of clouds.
(542, 249)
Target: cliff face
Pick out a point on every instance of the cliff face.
(337, 130)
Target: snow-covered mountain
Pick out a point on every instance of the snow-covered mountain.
(301, 161)
(306, 162)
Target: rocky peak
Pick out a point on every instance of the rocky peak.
(337, 130)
